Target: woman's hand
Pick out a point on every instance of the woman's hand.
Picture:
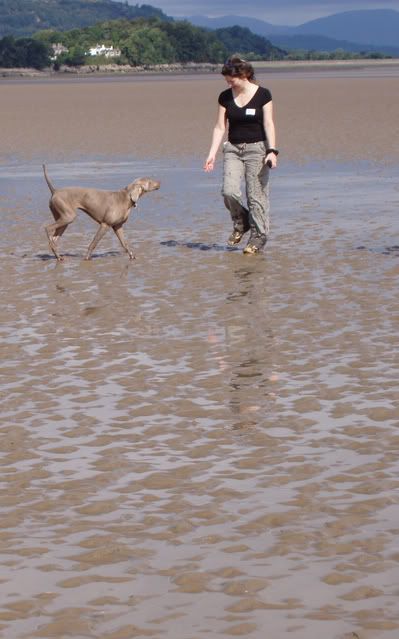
(209, 163)
(271, 160)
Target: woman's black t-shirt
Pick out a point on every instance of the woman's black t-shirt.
(245, 123)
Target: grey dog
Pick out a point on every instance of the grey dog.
(110, 209)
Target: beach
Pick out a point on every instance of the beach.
(199, 443)
(341, 115)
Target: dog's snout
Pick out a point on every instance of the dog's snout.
(153, 185)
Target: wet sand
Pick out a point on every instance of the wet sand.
(200, 443)
(320, 115)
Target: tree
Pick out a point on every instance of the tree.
(75, 57)
(241, 39)
(9, 53)
(37, 54)
(190, 43)
(23, 52)
(148, 45)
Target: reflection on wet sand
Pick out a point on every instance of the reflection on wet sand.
(247, 334)
(200, 442)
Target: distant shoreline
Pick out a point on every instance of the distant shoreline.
(111, 69)
(325, 64)
(115, 69)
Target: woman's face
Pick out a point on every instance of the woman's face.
(235, 81)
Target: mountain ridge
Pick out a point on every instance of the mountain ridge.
(27, 17)
(367, 26)
(376, 28)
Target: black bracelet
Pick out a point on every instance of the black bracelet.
(275, 151)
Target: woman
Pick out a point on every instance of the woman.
(249, 152)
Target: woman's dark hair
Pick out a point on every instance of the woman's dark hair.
(236, 67)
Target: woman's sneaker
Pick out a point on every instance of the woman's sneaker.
(255, 244)
(235, 237)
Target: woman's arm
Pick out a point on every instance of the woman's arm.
(217, 137)
(270, 131)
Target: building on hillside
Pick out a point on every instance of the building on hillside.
(107, 52)
(58, 49)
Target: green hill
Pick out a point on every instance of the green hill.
(25, 17)
(251, 45)
(143, 35)
(154, 41)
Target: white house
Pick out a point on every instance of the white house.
(57, 50)
(102, 49)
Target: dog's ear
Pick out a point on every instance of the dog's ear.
(135, 192)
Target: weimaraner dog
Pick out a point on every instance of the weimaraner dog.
(109, 208)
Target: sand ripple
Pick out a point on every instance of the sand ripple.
(201, 443)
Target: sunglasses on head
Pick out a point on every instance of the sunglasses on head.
(229, 63)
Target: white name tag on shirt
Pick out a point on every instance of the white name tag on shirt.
(250, 111)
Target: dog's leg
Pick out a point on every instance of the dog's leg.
(58, 232)
(121, 237)
(100, 234)
(54, 231)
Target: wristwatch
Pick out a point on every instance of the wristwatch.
(275, 151)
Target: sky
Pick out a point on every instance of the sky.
(285, 12)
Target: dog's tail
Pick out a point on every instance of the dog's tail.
(46, 177)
